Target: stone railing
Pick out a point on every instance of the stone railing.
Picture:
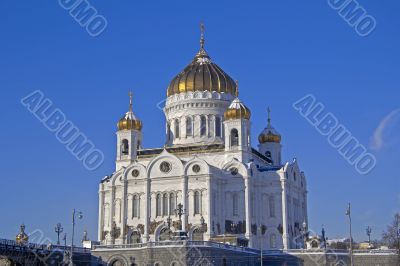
(178, 243)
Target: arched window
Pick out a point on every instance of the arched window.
(189, 126)
(172, 206)
(138, 145)
(165, 204)
(125, 147)
(197, 202)
(177, 128)
(218, 127)
(234, 137)
(158, 205)
(168, 131)
(272, 241)
(203, 126)
(135, 207)
(271, 202)
(235, 207)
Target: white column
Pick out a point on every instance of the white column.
(101, 212)
(124, 211)
(285, 236)
(209, 208)
(184, 203)
(247, 200)
(146, 210)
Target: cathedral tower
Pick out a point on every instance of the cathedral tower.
(129, 137)
(237, 127)
(270, 143)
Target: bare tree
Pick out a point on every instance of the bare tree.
(391, 237)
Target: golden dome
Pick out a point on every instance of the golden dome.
(269, 134)
(237, 110)
(202, 75)
(129, 121)
(22, 237)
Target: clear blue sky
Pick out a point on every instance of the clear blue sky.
(278, 50)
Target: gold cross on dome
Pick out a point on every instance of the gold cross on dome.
(130, 101)
(202, 35)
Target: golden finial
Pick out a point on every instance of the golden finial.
(269, 116)
(130, 101)
(201, 35)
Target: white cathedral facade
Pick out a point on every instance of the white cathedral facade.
(207, 182)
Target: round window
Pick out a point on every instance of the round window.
(196, 168)
(135, 173)
(165, 167)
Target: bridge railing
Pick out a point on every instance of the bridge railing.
(11, 244)
(356, 251)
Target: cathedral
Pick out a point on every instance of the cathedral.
(208, 183)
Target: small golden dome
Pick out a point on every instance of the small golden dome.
(22, 237)
(129, 121)
(269, 134)
(237, 110)
(202, 75)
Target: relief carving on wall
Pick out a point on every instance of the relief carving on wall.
(153, 226)
(263, 229)
(235, 228)
(103, 235)
(254, 229)
(176, 224)
(140, 227)
(280, 229)
(189, 226)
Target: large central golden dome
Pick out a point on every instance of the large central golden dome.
(202, 75)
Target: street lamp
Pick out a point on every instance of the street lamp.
(262, 232)
(369, 231)
(58, 229)
(348, 213)
(304, 229)
(169, 220)
(79, 215)
(179, 211)
(65, 240)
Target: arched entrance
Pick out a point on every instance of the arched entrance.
(165, 234)
(134, 237)
(197, 235)
(117, 263)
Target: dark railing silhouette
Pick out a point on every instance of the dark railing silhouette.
(12, 244)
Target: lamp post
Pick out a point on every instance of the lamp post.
(369, 231)
(304, 229)
(169, 220)
(79, 215)
(398, 234)
(348, 213)
(65, 240)
(179, 211)
(261, 246)
(58, 229)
